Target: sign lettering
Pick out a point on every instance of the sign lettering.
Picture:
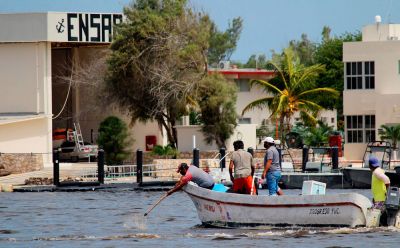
(324, 211)
(84, 27)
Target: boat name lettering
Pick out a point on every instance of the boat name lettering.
(209, 208)
(324, 211)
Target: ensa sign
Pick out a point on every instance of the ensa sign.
(85, 27)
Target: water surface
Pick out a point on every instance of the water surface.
(115, 219)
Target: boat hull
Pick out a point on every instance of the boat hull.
(234, 210)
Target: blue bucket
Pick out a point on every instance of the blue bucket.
(220, 187)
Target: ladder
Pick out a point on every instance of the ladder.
(78, 137)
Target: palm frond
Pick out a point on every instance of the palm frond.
(311, 104)
(259, 103)
(310, 72)
(267, 85)
(320, 90)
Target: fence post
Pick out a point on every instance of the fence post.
(335, 158)
(139, 167)
(304, 158)
(222, 153)
(56, 167)
(100, 166)
(196, 157)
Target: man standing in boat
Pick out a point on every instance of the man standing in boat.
(379, 184)
(242, 166)
(272, 169)
(194, 174)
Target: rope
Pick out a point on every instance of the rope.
(69, 89)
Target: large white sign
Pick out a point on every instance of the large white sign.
(81, 27)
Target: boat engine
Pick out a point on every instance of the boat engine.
(393, 207)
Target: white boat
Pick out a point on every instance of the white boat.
(235, 210)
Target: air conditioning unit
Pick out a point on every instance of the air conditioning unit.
(224, 65)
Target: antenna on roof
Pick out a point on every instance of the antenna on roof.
(378, 19)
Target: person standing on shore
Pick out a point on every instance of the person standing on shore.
(242, 166)
(272, 169)
(379, 184)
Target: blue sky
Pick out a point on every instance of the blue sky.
(268, 24)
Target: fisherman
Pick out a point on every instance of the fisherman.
(272, 169)
(242, 166)
(379, 184)
(194, 174)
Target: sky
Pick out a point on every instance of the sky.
(267, 24)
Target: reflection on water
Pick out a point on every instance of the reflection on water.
(115, 219)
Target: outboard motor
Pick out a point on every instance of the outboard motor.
(393, 206)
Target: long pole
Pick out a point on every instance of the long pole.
(158, 202)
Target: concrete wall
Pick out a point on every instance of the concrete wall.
(26, 137)
(25, 75)
(244, 132)
(23, 27)
(25, 70)
(381, 32)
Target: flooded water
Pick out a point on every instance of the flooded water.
(115, 219)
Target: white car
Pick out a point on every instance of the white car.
(70, 152)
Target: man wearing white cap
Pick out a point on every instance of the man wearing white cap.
(272, 169)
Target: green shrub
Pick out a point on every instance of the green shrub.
(167, 150)
(113, 138)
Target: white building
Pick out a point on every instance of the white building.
(37, 49)
(371, 94)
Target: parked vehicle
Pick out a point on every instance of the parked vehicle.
(70, 152)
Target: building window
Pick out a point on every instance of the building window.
(360, 128)
(244, 120)
(332, 120)
(360, 75)
(369, 128)
(369, 74)
(243, 85)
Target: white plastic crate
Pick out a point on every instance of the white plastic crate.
(313, 188)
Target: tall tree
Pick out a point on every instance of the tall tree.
(304, 49)
(218, 112)
(295, 93)
(158, 57)
(257, 61)
(223, 44)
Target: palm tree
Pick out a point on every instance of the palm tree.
(295, 91)
(391, 133)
